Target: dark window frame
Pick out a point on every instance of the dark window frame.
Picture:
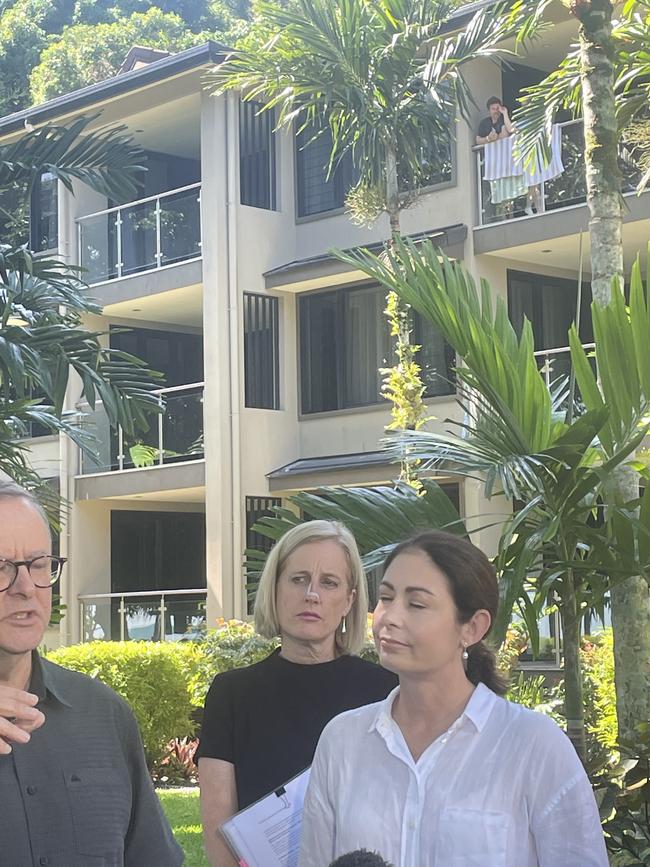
(344, 176)
(261, 372)
(340, 368)
(254, 509)
(257, 156)
(537, 282)
(337, 184)
(36, 217)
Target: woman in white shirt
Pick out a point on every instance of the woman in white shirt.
(445, 772)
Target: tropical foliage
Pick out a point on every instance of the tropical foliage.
(563, 88)
(557, 548)
(379, 517)
(48, 48)
(43, 302)
(382, 77)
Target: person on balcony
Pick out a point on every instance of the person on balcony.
(445, 772)
(496, 125)
(507, 178)
(261, 723)
(74, 784)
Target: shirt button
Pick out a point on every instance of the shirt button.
(43, 860)
(31, 790)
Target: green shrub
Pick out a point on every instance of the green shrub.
(597, 655)
(233, 644)
(151, 676)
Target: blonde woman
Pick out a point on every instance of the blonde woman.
(262, 723)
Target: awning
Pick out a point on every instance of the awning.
(355, 468)
(315, 271)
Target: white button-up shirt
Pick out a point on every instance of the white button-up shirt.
(503, 787)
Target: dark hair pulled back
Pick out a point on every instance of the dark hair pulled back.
(473, 586)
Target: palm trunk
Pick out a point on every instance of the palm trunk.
(392, 191)
(601, 147)
(631, 600)
(573, 703)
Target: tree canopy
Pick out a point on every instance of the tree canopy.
(51, 47)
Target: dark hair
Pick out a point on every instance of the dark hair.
(492, 100)
(360, 858)
(473, 585)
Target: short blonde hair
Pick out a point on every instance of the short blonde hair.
(265, 610)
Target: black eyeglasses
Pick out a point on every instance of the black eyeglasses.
(44, 570)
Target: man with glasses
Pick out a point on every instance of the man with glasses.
(74, 785)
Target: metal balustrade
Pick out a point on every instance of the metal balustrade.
(140, 236)
(176, 434)
(161, 615)
(564, 191)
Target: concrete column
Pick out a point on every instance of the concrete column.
(223, 563)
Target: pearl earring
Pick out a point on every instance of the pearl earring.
(465, 653)
(344, 627)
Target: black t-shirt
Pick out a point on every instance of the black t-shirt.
(266, 719)
(486, 126)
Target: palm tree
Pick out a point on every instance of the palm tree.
(607, 76)
(43, 301)
(517, 441)
(382, 77)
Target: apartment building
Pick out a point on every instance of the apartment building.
(220, 275)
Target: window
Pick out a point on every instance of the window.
(257, 156)
(549, 303)
(436, 163)
(316, 192)
(178, 356)
(436, 358)
(43, 219)
(33, 219)
(261, 351)
(256, 508)
(157, 551)
(344, 340)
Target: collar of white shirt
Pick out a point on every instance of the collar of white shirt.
(477, 710)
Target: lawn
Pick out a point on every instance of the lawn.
(182, 809)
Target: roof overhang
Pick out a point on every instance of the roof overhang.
(315, 272)
(357, 468)
(88, 97)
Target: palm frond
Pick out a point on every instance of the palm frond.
(378, 517)
(106, 159)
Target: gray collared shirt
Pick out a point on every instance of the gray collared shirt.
(79, 793)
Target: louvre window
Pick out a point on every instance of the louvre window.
(257, 156)
(261, 351)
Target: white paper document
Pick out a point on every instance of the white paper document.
(267, 834)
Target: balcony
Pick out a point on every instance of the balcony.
(170, 615)
(555, 364)
(564, 191)
(142, 236)
(175, 435)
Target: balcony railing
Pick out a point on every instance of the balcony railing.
(556, 363)
(169, 615)
(565, 190)
(174, 435)
(141, 236)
